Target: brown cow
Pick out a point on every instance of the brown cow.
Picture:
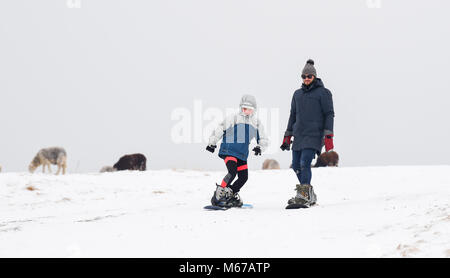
(327, 159)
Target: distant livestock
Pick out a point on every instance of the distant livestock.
(47, 156)
(107, 169)
(135, 161)
(327, 159)
(270, 164)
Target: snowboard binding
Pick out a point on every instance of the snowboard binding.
(222, 196)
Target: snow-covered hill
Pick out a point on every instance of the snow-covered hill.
(397, 211)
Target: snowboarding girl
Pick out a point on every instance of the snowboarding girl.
(311, 124)
(236, 132)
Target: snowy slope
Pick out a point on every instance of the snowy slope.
(397, 211)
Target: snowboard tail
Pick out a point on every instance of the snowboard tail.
(296, 206)
(212, 207)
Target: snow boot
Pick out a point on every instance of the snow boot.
(236, 200)
(305, 195)
(221, 196)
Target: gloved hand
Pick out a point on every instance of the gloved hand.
(286, 143)
(211, 148)
(329, 142)
(257, 150)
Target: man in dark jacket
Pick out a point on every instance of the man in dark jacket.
(311, 124)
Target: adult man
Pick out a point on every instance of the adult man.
(311, 124)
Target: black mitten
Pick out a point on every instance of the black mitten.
(257, 150)
(211, 148)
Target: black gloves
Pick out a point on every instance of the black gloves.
(211, 148)
(257, 150)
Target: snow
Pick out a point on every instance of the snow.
(392, 211)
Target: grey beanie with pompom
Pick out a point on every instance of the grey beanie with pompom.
(309, 68)
(248, 101)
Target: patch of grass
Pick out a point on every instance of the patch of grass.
(31, 188)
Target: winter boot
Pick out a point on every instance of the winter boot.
(236, 200)
(305, 195)
(221, 196)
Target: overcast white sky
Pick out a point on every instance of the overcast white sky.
(102, 78)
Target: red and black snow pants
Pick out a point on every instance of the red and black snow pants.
(235, 167)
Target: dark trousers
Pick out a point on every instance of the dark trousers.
(235, 167)
(301, 164)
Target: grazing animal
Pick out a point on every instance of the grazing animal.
(270, 164)
(135, 161)
(327, 159)
(107, 169)
(47, 156)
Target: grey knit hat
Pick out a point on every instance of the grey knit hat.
(248, 101)
(309, 68)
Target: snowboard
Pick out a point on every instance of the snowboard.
(296, 206)
(211, 207)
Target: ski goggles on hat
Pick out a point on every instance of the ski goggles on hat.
(309, 76)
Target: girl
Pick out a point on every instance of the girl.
(236, 132)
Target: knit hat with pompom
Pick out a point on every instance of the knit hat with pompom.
(309, 68)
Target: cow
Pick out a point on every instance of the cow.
(107, 169)
(270, 164)
(135, 161)
(327, 159)
(47, 156)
